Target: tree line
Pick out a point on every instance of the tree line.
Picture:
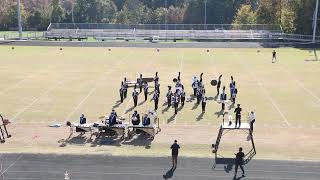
(295, 16)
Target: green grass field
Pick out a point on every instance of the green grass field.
(42, 85)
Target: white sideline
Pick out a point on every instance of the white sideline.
(261, 85)
(143, 71)
(96, 86)
(12, 164)
(35, 100)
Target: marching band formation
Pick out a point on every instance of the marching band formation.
(148, 123)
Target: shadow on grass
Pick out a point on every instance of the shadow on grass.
(139, 140)
(141, 103)
(220, 113)
(129, 110)
(106, 140)
(79, 140)
(195, 106)
(169, 173)
(200, 116)
(171, 118)
(165, 109)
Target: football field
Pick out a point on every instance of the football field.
(40, 86)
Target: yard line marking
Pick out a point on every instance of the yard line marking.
(180, 61)
(96, 86)
(13, 87)
(12, 164)
(16, 85)
(143, 71)
(36, 100)
(261, 85)
(290, 74)
(301, 85)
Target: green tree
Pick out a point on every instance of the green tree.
(81, 11)
(57, 12)
(134, 12)
(176, 14)
(245, 15)
(12, 19)
(159, 15)
(106, 11)
(269, 12)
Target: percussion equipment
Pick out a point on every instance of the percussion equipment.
(214, 82)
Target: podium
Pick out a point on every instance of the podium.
(3, 131)
(224, 129)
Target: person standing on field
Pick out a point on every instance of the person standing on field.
(239, 162)
(274, 56)
(174, 152)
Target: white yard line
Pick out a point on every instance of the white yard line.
(301, 85)
(93, 89)
(180, 60)
(13, 86)
(145, 69)
(12, 164)
(35, 100)
(261, 85)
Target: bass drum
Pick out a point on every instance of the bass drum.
(214, 82)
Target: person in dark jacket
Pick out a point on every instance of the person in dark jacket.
(135, 97)
(146, 120)
(219, 84)
(83, 119)
(223, 98)
(239, 162)
(169, 96)
(145, 90)
(238, 115)
(156, 99)
(175, 152)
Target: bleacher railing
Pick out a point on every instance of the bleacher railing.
(267, 27)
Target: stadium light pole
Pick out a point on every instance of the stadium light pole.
(205, 11)
(315, 22)
(19, 19)
(166, 16)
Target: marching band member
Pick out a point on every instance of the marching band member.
(274, 56)
(156, 79)
(252, 120)
(183, 96)
(140, 82)
(238, 115)
(195, 86)
(83, 119)
(135, 118)
(223, 98)
(145, 90)
(176, 103)
(234, 95)
(125, 87)
(232, 86)
(204, 102)
(156, 99)
(199, 94)
(219, 84)
(113, 118)
(135, 97)
(121, 91)
(146, 120)
(169, 95)
(157, 88)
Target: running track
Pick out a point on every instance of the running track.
(96, 167)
